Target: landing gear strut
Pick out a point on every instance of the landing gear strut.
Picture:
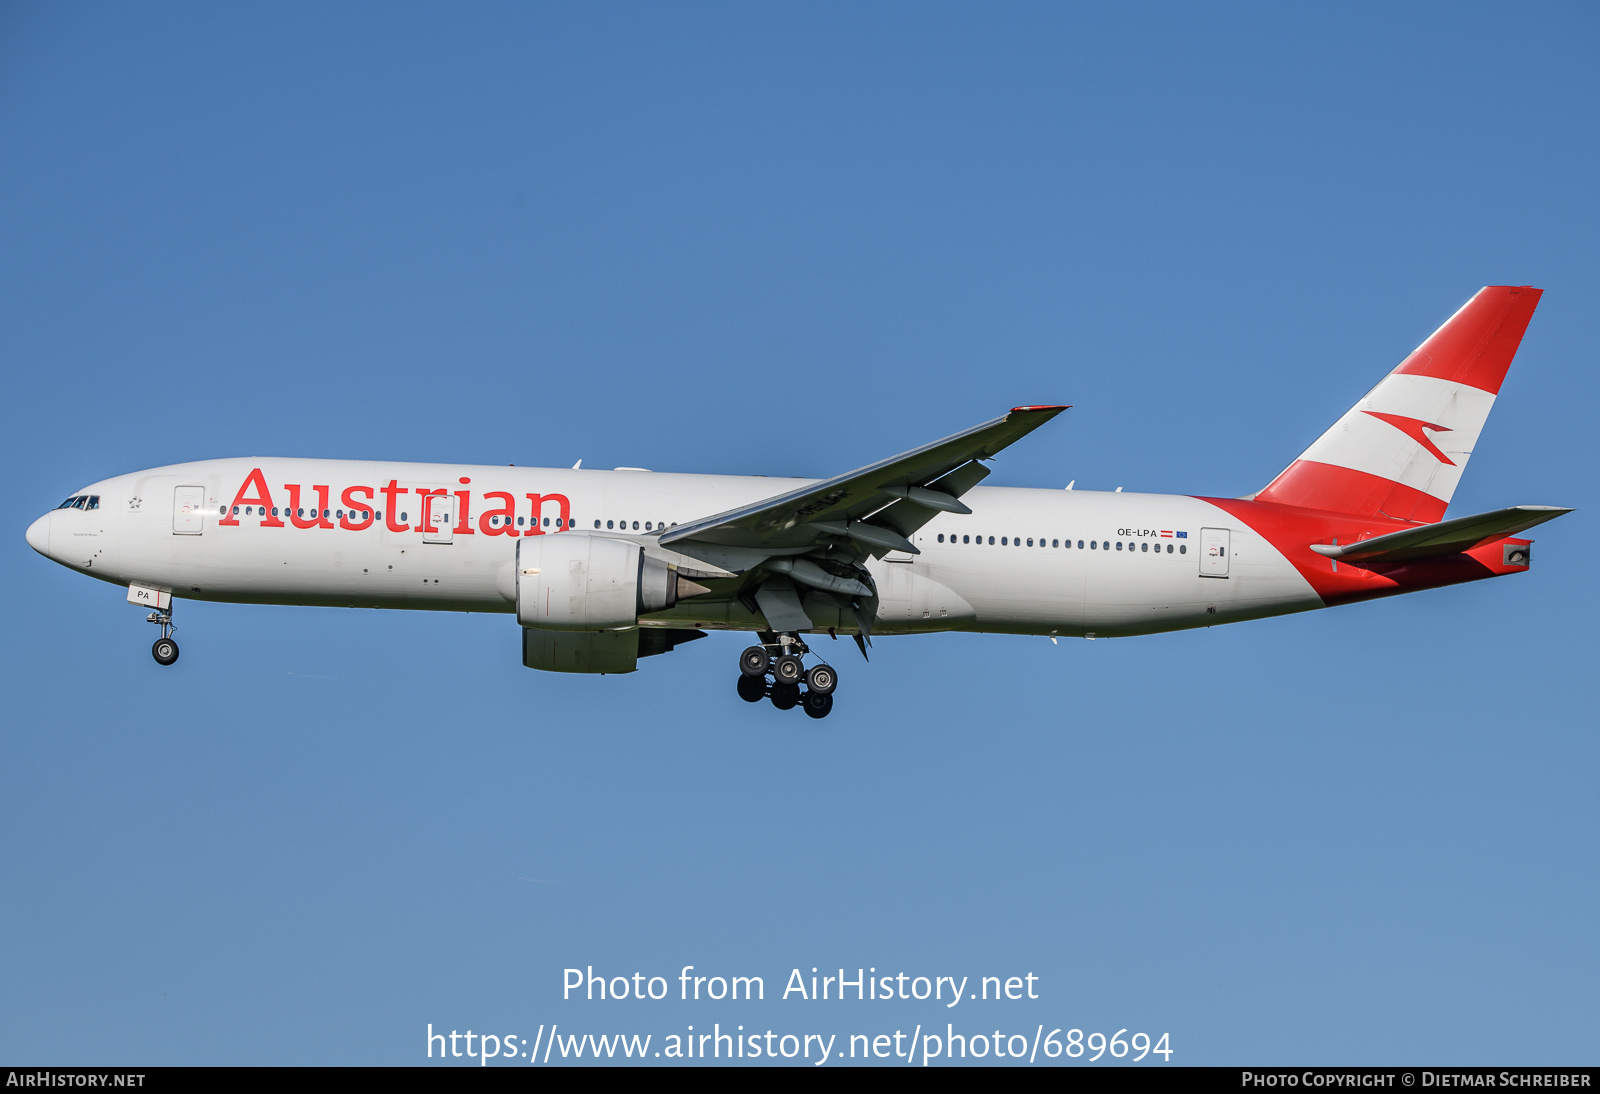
(782, 660)
(165, 650)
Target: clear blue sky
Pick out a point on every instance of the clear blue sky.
(791, 239)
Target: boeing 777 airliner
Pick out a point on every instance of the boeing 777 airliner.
(602, 568)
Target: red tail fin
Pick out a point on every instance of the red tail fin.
(1401, 450)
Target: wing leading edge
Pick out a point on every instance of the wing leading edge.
(878, 505)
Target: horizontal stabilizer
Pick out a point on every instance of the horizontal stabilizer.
(1445, 538)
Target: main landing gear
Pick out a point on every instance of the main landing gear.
(782, 661)
(165, 651)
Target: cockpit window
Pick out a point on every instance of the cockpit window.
(94, 501)
(76, 502)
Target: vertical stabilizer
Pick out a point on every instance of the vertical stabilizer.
(1400, 451)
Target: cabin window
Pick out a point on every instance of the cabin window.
(991, 541)
(235, 509)
(547, 522)
(1144, 547)
(1119, 545)
(1057, 543)
(1093, 545)
(1169, 548)
(341, 514)
(404, 517)
(274, 510)
(1182, 550)
(1030, 542)
(646, 526)
(941, 537)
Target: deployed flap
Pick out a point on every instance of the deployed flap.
(781, 605)
(785, 520)
(1445, 538)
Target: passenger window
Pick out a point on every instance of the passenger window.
(235, 509)
(1169, 548)
(609, 524)
(1055, 543)
(1144, 547)
(966, 539)
(1003, 542)
(404, 517)
(1030, 541)
(1119, 545)
(341, 514)
(991, 541)
(274, 510)
(941, 537)
(1094, 545)
(1182, 550)
(547, 522)
(635, 526)
(597, 524)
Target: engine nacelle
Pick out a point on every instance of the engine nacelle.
(572, 581)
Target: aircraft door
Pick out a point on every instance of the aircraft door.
(438, 518)
(1213, 552)
(187, 502)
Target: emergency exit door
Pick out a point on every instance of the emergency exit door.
(187, 502)
(1213, 552)
(438, 518)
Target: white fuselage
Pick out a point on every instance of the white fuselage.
(1024, 561)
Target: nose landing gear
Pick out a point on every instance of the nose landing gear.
(788, 672)
(165, 650)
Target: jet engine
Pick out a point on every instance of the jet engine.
(572, 581)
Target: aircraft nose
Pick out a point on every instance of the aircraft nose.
(39, 535)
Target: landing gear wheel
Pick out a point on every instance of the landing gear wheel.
(785, 696)
(788, 669)
(752, 689)
(822, 680)
(754, 661)
(819, 704)
(165, 651)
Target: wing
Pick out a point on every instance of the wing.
(878, 505)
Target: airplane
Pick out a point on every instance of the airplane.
(602, 568)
